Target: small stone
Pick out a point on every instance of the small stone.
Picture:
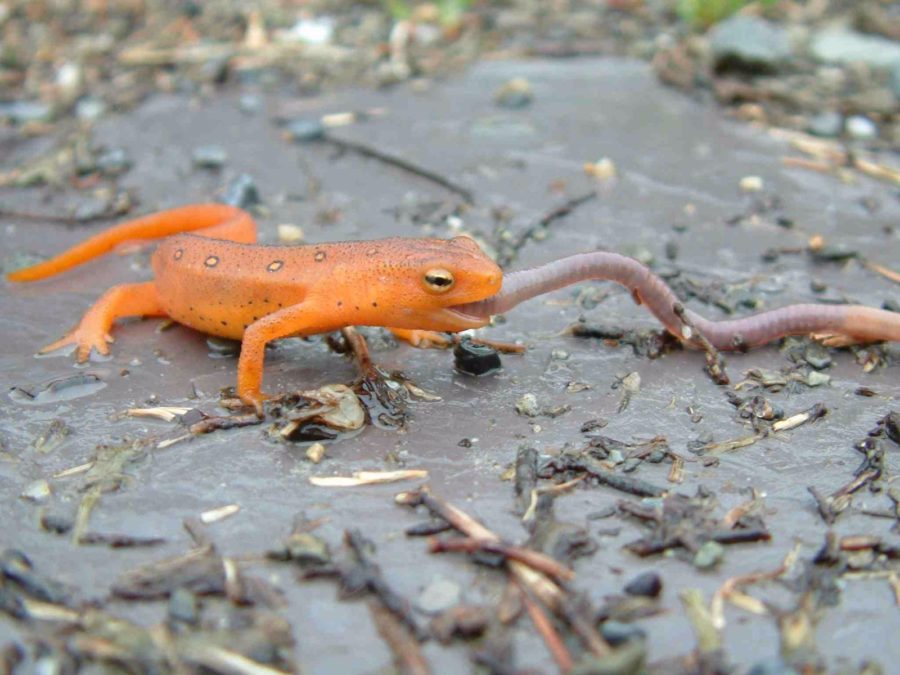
(90, 108)
(827, 124)
(648, 584)
(113, 162)
(475, 359)
(774, 666)
(289, 233)
(516, 93)
(751, 184)
(528, 406)
(315, 453)
(631, 464)
(304, 130)
(209, 157)
(219, 346)
(818, 286)
(22, 112)
(57, 523)
(846, 47)
(250, 104)
(861, 128)
(656, 456)
(439, 595)
(36, 491)
(241, 192)
(616, 457)
(817, 356)
(817, 379)
(559, 354)
(618, 632)
(749, 44)
(603, 169)
(183, 607)
(709, 555)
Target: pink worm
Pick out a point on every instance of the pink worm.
(857, 322)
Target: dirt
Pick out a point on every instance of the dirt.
(679, 166)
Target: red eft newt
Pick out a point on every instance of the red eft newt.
(219, 281)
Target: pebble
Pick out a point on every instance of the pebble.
(183, 606)
(648, 584)
(528, 406)
(631, 464)
(709, 555)
(315, 453)
(817, 379)
(289, 233)
(895, 80)
(750, 44)
(861, 128)
(774, 666)
(559, 354)
(751, 184)
(113, 162)
(475, 359)
(304, 130)
(209, 156)
(241, 192)
(439, 595)
(515, 93)
(618, 632)
(90, 108)
(827, 124)
(21, 112)
(846, 47)
(817, 356)
(250, 104)
(36, 491)
(656, 456)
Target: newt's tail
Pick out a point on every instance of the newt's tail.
(217, 221)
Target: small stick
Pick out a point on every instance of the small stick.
(403, 164)
(534, 559)
(552, 639)
(408, 657)
(715, 362)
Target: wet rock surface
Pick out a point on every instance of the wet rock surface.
(679, 167)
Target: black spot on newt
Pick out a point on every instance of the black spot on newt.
(319, 256)
(178, 253)
(275, 265)
(211, 261)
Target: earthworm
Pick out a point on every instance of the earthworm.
(856, 322)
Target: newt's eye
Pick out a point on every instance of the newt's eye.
(438, 280)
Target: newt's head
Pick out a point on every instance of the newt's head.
(448, 273)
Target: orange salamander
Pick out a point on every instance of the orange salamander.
(219, 281)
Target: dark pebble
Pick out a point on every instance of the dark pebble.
(57, 523)
(113, 162)
(593, 425)
(474, 359)
(305, 130)
(631, 464)
(241, 192)
(183, 607)
(772, 667)
(618, 633)
(648, 584)
(818, 286)
(817, 356)
(656, 456)
(209, 157)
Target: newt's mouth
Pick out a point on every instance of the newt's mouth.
(467, 315)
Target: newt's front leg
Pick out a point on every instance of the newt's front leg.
(297, 320)
(93, 331)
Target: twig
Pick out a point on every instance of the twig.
(715, 362)
(551, 637)
(534, 559)
(408, 658)
(403, 164)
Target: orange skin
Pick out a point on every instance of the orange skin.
(220, 282)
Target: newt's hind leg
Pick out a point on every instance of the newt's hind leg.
(429, 339)
(93, 331)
